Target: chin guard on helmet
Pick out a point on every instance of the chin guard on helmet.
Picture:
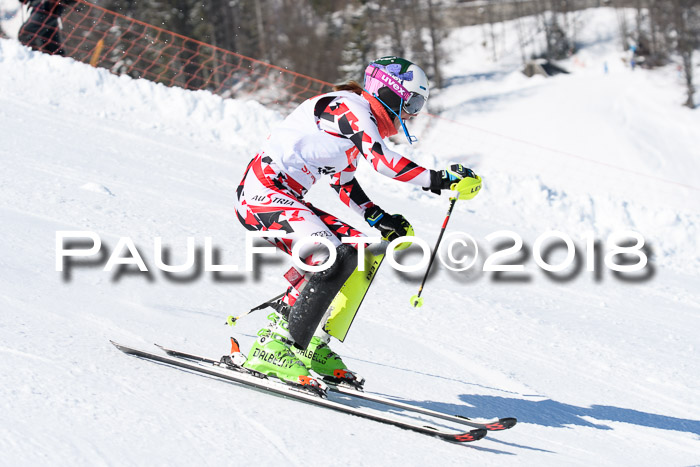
(411, 139)
(399, 85)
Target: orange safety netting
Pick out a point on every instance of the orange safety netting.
(123, 45)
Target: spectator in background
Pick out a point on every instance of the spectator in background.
(41, 31)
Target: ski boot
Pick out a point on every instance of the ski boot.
(319, 358)
(272, 355)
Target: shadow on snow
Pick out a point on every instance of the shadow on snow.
(551, 413)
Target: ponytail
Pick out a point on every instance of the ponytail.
(352, 86)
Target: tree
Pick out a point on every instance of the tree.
(665, 29)
(435, 30)
(359, 47)
(686, 21)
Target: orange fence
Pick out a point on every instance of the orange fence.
(123, 45)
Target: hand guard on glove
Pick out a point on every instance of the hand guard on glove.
(390, 226)
(443, 179)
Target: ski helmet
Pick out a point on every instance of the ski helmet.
(398, 83)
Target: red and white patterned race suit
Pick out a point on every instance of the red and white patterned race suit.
(325, 135)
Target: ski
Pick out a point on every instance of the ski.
(292, 392)
(491, 425)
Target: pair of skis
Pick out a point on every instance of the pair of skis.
(242, 376)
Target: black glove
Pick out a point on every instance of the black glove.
(390, 226)
(443, 179)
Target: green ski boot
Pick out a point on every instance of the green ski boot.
(319, 357)
(272, 355)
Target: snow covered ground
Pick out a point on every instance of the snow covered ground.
(598, 370)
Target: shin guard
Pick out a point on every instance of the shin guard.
(317, 294)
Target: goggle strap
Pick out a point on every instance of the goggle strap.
(390, 82)
(411, 139)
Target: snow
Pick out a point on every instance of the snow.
(596, 369)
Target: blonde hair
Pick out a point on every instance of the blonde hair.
(352, 86)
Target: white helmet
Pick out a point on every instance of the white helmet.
(398, 83)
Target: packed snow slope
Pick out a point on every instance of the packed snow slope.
(599, 369)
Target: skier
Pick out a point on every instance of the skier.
(42, 30)
(326, 135)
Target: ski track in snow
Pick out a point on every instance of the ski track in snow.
(596, 370)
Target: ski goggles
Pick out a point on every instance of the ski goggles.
(414, 103)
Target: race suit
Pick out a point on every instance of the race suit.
(324, 136)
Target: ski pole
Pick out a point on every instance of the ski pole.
(417, 300)
(231, 320)
(467, 188)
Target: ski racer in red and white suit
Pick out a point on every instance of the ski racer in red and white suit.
(328, 135)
